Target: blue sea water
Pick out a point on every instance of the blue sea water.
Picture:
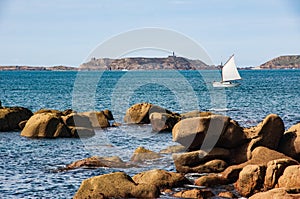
(27, 166)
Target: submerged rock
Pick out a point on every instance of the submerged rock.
(95, 161)
(161, 178)
(10, 117)
(115, 185)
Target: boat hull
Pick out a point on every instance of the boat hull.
(225, 84)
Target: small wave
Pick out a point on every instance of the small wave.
(222, 109)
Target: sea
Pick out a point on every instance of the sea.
(30, 168)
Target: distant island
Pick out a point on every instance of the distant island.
(143, 63)
(282, 62)
(164, 63)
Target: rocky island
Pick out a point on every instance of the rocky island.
(145, 63)
(282, 62)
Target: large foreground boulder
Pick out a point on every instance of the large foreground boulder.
(115, 185)
(191, 132)
(290, 142)
(10, 117)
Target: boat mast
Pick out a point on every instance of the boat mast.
(221, 68)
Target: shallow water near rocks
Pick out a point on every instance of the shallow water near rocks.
(28, 166)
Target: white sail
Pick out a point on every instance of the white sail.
(229, 70)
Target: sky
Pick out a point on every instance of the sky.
(65, 32)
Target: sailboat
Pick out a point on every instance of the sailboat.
(229, 73)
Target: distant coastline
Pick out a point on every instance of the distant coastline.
(38, 68)
(167, 63)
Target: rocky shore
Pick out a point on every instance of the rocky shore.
(212, 150)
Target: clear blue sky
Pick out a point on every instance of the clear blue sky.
(35, 32)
